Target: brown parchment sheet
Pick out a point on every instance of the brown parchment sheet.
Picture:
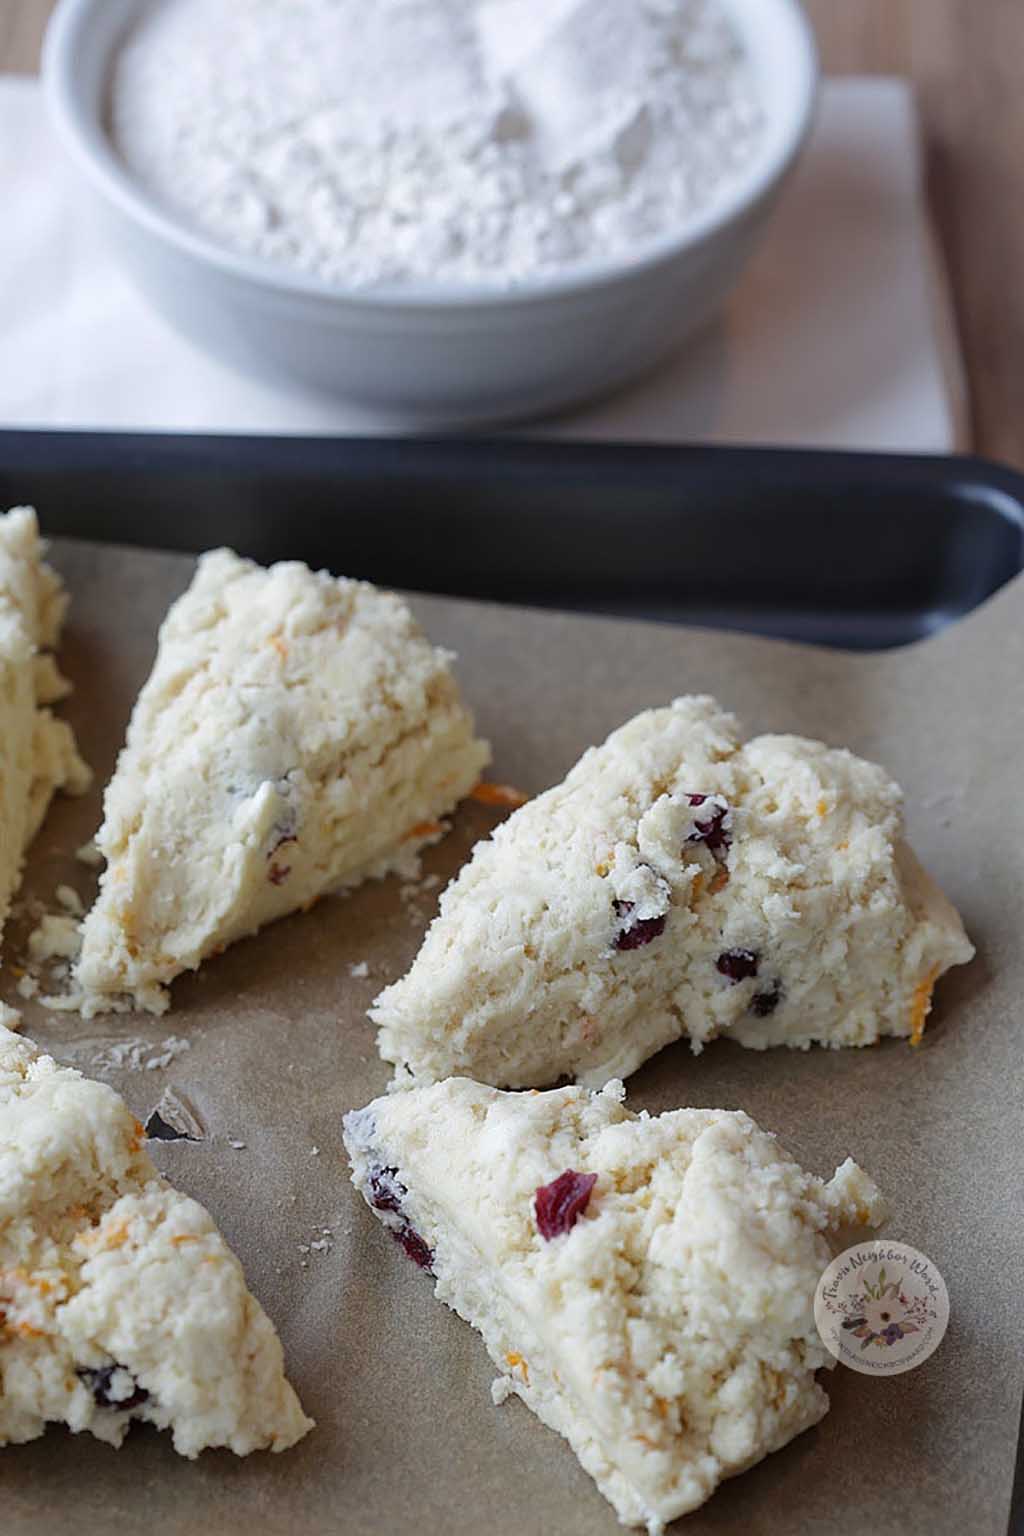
(407, 1439)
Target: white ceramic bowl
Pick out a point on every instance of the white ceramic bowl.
(439, 354)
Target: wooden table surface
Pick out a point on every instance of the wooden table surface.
(967, 58)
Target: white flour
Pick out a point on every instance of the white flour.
(375, 141)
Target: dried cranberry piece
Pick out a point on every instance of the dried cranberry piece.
(764, 1003)
(98, 1379)
(642, 931)
(386, 1188)
(560, 1204)
(414, 1245)
(277, 874)
(737, 964)
(712, 831)
(286, 826)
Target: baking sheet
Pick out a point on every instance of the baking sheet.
(629, 529)
(278, 1047)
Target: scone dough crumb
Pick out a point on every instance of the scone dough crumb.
(664, 1323)
(119, 1299)
(298, 734)
(682, 883)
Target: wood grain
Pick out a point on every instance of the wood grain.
(21, 32)
(967, 59)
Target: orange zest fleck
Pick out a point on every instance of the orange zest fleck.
(661, 1407)
(719, 883)
(279, 645)
(589, 1031)
(486, 793)
(698, 884)
(184, 1237)
(842, 847)
(114, 1236)
(822, 807)
(423, 829)
(921, 1005)
(516, 1362)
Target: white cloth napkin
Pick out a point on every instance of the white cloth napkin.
(840, 335)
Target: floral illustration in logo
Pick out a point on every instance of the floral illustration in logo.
(882, 1313)
(881, 1307)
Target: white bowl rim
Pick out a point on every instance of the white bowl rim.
(94, 151)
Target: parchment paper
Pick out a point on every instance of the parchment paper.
(407, 1438)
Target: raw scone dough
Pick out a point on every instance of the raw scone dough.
(37, 751)
(678, 883)
(298, 734)
(119, 1299)
(668, 1332)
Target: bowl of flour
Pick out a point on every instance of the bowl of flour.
(448, 211)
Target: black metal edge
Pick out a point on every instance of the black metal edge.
(451, 476)
(1015, 1521)
(413, 460)
(466, 458)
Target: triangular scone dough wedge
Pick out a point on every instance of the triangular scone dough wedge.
(298, 734)
(678, 883)
(119, 1299)
(37, 751)
(646, 1286)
